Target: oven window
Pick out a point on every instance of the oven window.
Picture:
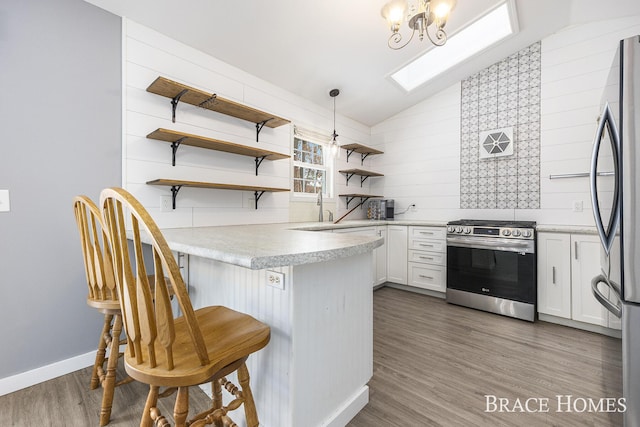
(502, 274)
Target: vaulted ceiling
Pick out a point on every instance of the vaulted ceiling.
(310, 47)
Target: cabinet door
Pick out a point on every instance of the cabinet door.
(554, 274)
(380, 254)
(397, 254)
(585, 265)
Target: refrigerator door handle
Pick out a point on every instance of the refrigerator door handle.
(606, 235)
(616, 309)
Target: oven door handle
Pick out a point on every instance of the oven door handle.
(498, 244)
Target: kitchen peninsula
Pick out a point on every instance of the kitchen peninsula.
(313, 288)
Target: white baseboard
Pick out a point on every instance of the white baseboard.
(45, 373)
(350, 409)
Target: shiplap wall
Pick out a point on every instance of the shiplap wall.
(149, 54)
(422, 144)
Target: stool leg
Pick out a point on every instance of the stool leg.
(181, 408)
(102, 345)
(249, 405)
(216, 401)
(110, 378)
(152, 402)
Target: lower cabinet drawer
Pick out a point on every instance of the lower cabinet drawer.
(423, 257)
(432, 277)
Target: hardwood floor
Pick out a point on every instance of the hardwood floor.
(433, 365)
(435, 362)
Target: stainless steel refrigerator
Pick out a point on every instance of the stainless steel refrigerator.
(615, 195)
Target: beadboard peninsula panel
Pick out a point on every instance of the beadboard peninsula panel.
(315, 297)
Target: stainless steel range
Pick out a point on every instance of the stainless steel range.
(491, 266)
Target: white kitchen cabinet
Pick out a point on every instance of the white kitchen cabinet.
(554, 274)
(427, 266)
(585, 265)
(566, 265)
(380, 254)
(397, 254)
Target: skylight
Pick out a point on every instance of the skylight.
(484, 32)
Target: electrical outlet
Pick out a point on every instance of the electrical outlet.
(577, 206)
(166, 204)
(275, 279)
(5, 206)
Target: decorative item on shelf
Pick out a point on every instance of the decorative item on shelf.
(420, 15)
(335, 148)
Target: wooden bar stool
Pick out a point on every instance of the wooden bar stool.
(165, 350)
(103, 297)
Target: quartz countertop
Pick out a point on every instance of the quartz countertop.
(268, 245)
(579, 229)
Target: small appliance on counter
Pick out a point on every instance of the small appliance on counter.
(382, 209)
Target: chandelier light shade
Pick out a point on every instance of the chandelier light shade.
(334, 136)
(422, 17)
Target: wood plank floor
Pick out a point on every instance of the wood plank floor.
(433, 365)
(435, 362)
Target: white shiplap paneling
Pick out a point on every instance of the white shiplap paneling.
(149, 54)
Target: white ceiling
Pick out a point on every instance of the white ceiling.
(310, 47)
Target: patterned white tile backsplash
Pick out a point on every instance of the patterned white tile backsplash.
(506, 94)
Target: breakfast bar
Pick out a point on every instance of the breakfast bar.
(313, 288)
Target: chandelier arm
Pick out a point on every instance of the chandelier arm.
(441, 37)
(396, 38)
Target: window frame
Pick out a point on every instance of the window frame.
(327, 167)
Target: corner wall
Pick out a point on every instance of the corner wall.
(61, 122)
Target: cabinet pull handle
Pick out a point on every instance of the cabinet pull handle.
(553, 275)
(426, 232)
(424, 244)
(575, 246)
(425, 277)
(425, 257)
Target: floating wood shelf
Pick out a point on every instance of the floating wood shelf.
(363, 198)
(363, 150)
(363, 174)
(176, 185)
(178, 138)
(178, 92)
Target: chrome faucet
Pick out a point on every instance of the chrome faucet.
(319, 203)
(330, 215)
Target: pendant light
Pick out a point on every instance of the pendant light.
(334, 137)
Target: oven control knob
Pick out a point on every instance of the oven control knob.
(526, 233)
(506, 232)
(458, 229)
(450, 229)
(467, 230)
(516, 233)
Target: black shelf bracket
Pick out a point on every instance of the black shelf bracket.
(174, 149)
(257, 194)
(363, 179)
(259, 162)
(349, 175)
(259, 127)
(362, 200)
(174, 193)
(209, 100)
(174, 104)
(349, 152)
(362, 157)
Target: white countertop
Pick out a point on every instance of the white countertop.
(268, 245)
(261, 246)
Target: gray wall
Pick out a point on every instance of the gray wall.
(60, 121)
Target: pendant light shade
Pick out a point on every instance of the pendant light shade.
(334, 137)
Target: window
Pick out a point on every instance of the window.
(311, 167)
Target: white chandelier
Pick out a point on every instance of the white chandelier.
(421, 15)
